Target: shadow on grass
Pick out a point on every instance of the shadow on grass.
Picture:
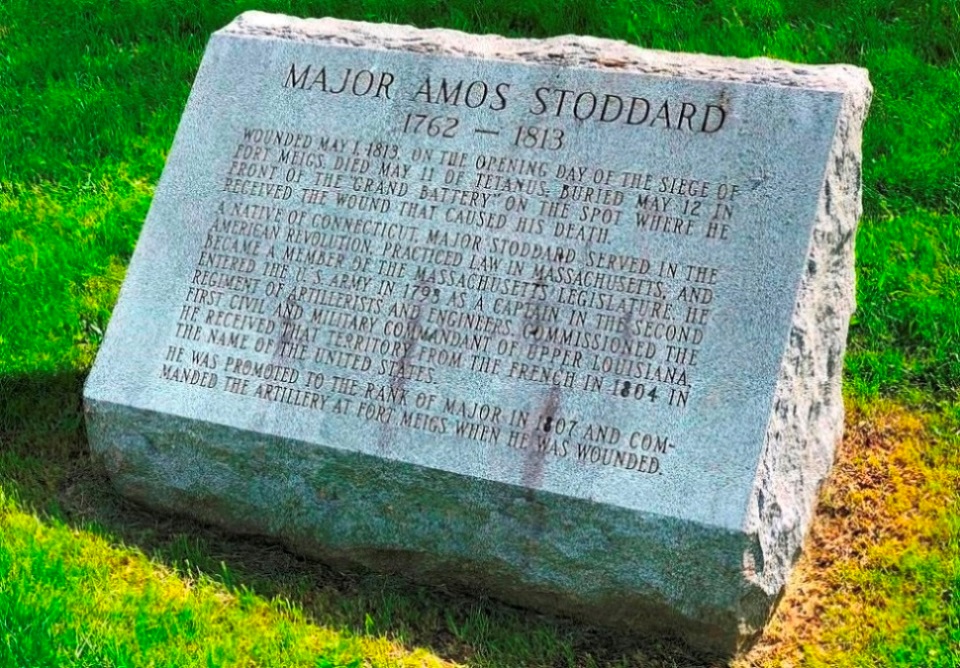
(46, 466)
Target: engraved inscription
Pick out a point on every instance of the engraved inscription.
(367, 275)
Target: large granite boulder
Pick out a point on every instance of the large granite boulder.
(560, 320)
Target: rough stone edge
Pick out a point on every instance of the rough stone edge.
(806, 422)
(566, 51)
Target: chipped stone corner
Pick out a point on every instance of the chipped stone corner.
(806, 422)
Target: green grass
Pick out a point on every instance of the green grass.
(91, 93)
(907, 327)
(90, 96)
(81, 602)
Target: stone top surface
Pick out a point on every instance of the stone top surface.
(565, 51)
(586, 296)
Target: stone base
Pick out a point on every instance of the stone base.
(605, 565)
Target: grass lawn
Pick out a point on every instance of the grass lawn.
(90, 96)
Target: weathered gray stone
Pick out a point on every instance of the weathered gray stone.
(622, 475)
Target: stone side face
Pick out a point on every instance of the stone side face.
(608, 565)
(808, 405)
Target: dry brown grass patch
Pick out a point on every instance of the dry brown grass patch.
(877, 493)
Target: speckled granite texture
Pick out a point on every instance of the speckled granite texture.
(710, 575)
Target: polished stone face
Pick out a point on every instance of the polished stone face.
(593, 298)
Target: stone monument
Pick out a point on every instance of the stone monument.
(560, 320)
